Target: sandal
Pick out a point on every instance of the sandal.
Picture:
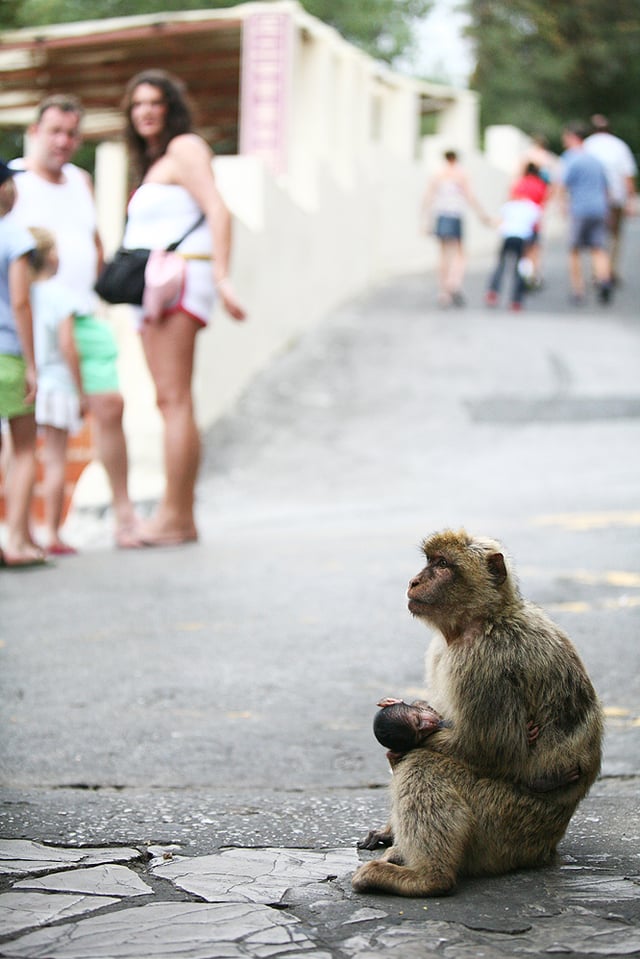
(24, 561)
(61, 549)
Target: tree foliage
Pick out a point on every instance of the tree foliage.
(541, 63)
(381, 27)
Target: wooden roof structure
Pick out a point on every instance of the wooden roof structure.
(95, 59)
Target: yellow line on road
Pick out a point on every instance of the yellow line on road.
(587, 521)
(619, 578)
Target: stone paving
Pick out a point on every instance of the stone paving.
(156, 902)
(239, 910)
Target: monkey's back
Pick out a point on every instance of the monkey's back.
(516, 670)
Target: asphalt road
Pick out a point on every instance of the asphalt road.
(139, 688)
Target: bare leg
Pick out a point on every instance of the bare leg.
(575, 274)
(169, 348)
(451, 271)
(19, 484)
(616, 220)
(444, 298)
(456, 267)
(534, 252)
(54, 453)
(601, 265)
(107, 410)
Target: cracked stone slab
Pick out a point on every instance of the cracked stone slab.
(365, 915)
(22, 856)
(256, 875)
(601, 888)
(176, 930)
(580, 936)
(105, 880)
(25, 910)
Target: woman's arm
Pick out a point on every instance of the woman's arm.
(191, 163)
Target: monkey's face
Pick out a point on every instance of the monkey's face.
(431, 586)
(462, 581)
(399, 727)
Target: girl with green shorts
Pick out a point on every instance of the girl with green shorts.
(98, 353)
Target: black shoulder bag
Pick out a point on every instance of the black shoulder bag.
(121, 280)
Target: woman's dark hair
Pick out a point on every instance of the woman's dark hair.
(178, 119)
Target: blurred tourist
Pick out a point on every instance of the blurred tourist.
(621, 170)
(447, 196)
(583, 182)
(176, 194)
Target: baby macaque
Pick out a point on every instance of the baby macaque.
(481, 796)
(402, 726)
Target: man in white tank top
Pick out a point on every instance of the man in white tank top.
(57, 195)
(620, 166)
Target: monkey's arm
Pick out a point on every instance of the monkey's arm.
(546, 784)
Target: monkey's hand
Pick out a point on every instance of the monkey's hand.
(546, 784)
(389, 702)
(533, 732)
(376, 838)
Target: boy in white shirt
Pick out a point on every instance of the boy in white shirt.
(518, 220)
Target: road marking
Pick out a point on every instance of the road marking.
(619, 578)
(590, 521)
(624, 602)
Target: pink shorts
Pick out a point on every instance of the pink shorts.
(198, 297)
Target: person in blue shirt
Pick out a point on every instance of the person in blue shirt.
(17, 380)
(583, 180)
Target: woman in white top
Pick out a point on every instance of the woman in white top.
(445, 201)
(176, 186)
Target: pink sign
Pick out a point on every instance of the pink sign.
(266, 79)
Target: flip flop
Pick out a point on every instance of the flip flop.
(18, 563)
(62, 549)
(159, 542)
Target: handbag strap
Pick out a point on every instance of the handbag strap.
(174, 246)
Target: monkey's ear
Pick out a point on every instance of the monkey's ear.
(497, 568)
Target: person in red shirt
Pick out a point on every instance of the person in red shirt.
(532, 186)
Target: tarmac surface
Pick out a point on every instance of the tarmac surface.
(186, 750)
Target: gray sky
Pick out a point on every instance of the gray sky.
(442, 52)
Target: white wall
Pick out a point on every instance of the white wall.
(503, 145)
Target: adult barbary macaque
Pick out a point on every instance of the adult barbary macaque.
(460, 803)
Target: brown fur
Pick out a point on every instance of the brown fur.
(458, 803)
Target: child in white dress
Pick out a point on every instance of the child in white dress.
(60, 400)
